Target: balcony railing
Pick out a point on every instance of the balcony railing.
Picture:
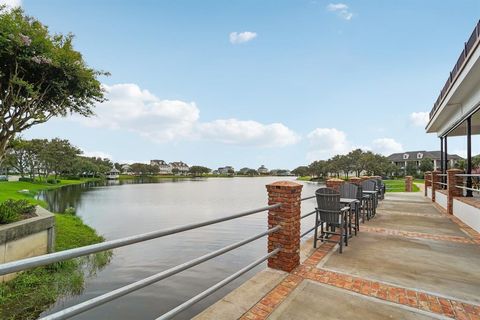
(468, 49)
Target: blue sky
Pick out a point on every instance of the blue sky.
(246, 83)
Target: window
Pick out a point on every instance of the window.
(405, 156)
(419, 155)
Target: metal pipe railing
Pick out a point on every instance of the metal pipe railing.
(307, 232)
(28, 263)
(307, 214)
(307, 198)
(117, 293)
(467, 188)
(215, 287)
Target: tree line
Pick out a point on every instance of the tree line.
(356, 162)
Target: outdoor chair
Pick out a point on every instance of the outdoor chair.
(351, 191)
(380, 188)
(332, 214)
(370, 199)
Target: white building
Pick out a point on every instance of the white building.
(113, 174)
(262, 170)
(226, 170)
(163, 167)
(181, 166)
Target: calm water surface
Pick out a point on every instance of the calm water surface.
(127, 208)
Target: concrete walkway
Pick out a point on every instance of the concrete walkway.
(411, 261)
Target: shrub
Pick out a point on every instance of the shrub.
(25, 179)
(70, 211)
(11, 210)
(53, 181)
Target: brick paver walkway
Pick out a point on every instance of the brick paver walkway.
(429, 302)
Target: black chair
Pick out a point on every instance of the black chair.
(370, 199)
(331, 213)
(350, 191)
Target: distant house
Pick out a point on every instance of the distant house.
(402, 159)
(226, 170)
(113, 174)
(280, 172)
(163, 167)
(182, 167)
(126, 169)
(262, 170)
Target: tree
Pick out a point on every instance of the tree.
(41, 76)
(301, 171)
(58, 156)
(411, 169)
(198, 170)
(426, 165)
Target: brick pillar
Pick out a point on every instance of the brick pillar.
(408, 183)
(427, 181)
(435, 186)
(288, 217)
(334, 183)
(452, 190)
(355, 180)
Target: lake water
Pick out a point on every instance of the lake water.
(131, 207)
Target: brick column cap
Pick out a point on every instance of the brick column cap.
(454, 170)
(335, 179)
(284, 185)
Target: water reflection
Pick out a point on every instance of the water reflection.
(133, 207)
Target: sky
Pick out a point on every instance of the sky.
(246, 83)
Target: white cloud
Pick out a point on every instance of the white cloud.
(233, 131)
(327, 142)
(341, 9)
(132, 109)
(419, 119)
(11, 3)
(386, 146)
(242, 37)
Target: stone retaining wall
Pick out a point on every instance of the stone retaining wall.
(27, 238)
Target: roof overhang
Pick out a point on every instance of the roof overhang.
(461, 99)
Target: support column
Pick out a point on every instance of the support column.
(441, 155)
(427, 178)
(469, 155)
(334, 183)
(452, 190)
(355, 180)
(445, 156)
(288, 217)
(435, 186)
(408, 183)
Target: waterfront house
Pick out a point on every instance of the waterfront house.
(179, 167)
(262, 170)
(226, 170)
(113, 174)
(455, 113)
(163, 167)
(401, 159)
(126, 169)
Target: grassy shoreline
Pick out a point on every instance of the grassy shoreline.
(33, 291)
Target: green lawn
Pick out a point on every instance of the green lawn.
(33, 291)
(10, 189)
(304, 178)
(398, 185)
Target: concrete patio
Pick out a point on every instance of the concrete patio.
(411, 261)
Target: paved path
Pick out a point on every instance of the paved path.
(411, 261)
